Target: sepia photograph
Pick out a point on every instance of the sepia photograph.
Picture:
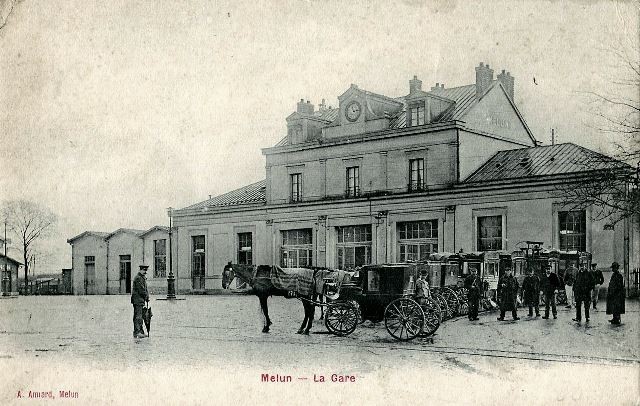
(320, 202)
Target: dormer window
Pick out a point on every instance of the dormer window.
(417, 114)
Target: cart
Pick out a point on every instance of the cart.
(383, 293)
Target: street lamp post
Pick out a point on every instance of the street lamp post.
(171, 280)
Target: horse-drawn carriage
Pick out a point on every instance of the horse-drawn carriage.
(383, 293)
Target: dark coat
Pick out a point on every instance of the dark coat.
(139, 293)
(597, 277)
(583, 286)
(550, 284)
(569, 276)
(473, 284)
(531, 290)
(507, 292)
(615, 294)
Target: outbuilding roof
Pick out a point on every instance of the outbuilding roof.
(98, 234)
(9, 259)
(250, 194)
(126, 230)
(154, 228)
(542, 161)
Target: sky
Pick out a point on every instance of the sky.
(111, 112)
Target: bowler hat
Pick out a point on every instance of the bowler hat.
(615, 265)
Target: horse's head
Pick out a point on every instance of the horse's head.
(242, 272)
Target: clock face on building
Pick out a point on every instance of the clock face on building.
(353, 110)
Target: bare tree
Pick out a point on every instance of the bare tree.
(610, 185)
(29, 222)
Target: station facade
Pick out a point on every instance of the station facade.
(381, 179)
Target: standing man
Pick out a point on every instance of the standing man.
(531, 292)
(569, 278)
(422, 287)
(615, 294)
(473, 284)
(582, 292)
(598, 279)
(139, 296)
(508, 294)
(550, 283)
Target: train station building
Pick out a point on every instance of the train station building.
(382, 179)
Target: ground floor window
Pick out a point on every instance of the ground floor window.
(572, 227)
(245, 249)
(354, 246)
(489, 233)
(159, 258)
(198, 261)
(297, 248)
(417, 239)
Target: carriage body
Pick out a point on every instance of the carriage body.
(383, 293)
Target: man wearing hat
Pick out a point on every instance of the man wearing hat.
(139, 295)
(422, 287)
(615, 294)
(473, 284)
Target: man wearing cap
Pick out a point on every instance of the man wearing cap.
(598, 279)
(422, 287)
(473, 284)
(582, 287)
(139, 295)
(615, 294)
(508, 294)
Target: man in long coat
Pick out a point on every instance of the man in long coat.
(549, 284)
(508, 294)
(531, 292)
(139, 296)
(582, 292)
(615, 294)
(473, 284)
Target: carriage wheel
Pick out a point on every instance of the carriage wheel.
(341, 318)
(444, 308)
(356, 305)
(404, 319)
(452, 301)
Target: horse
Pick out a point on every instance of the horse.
(259, 278)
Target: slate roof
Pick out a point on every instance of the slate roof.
(463, 96)
(250, 194)
(541, 161)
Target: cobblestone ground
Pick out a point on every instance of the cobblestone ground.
(210, 350)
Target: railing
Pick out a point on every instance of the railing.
(352, 192)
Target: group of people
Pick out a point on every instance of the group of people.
(584, 288)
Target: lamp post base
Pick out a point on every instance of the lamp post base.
(171, 287)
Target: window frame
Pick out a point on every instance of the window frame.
(419, 183)
(296, 248)
(415, 116)
(352, 184)
(478, 232)
(245, 256)
(352, 242)
(295, 190)
(572, 234)
(198, 256)
(415, 243)
(159, 259)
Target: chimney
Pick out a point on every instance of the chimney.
(305, 107)
(507, 82)
(438, 86)
(415, 85)
(484, 78)
(322, 107)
